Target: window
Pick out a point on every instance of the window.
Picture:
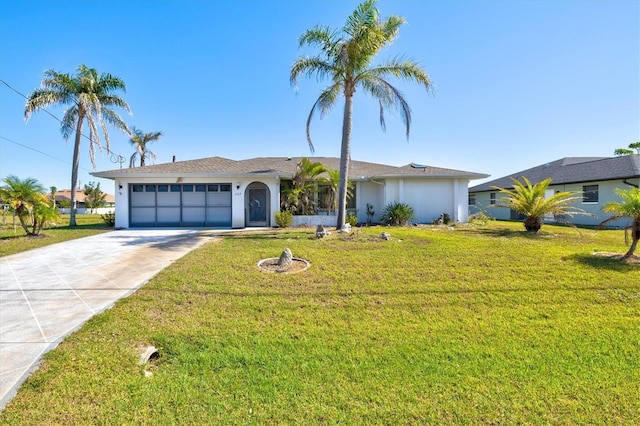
(187, 188)
(137, 188)
(351, 201)
(175, 188)
(590, 194)
(150, 188)
(472, 199)
(324, 192)
(212, 188)
(492, 198)
(200, 188)
(225, 188)
(163, 188)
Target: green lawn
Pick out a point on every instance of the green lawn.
(469, 325)
(13, 239)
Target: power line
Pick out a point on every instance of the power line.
(40, 152)
(114, 158)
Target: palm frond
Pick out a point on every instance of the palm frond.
(324, 103)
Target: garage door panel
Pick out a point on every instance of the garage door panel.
(168, 216)
(169, 199)
(181, 205)
(143, 215)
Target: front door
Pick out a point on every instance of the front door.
(257, 205)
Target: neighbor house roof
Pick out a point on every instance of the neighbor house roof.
(283, 167)
(572, 170)
(65, 194)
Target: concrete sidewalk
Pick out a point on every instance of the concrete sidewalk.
(47, 293)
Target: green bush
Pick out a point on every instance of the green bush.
(109, 218)
(284, 219)
(397, 214)
(443, 219)
(351, 219)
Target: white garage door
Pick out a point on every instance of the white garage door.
(180, 205)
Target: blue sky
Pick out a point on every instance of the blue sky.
(517, 83)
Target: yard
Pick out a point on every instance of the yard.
(465, 325)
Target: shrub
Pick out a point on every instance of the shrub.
(480, 218)
(284, 219)
(443, 219)
(351, 219)
(397, 214)
(109, 218)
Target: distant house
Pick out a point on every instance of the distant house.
(595, 177)
(63, 200)
(219, 192)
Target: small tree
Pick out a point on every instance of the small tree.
(27, 199)
(529, 200)
(333, 181)
(629, 206)
(94, 198)
(299, 198)
(630, 151)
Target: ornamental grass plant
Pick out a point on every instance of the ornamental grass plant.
(439, 325)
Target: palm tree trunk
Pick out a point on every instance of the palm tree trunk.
(635, 236)
(345, 154)
(74, 170)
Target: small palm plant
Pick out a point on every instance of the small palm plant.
(629, 206)
(27, 200)
(397, 214)
(529, 200)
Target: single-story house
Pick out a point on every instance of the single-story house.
(219, 192)
(63, 200)
(595, 177)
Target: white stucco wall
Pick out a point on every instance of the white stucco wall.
(372, 193)
(605, 194)
(430, 198)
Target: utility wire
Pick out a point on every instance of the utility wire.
(41, 152)
(114, 158)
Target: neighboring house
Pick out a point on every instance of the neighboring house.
(64, 196)
(595, 177)
(219, 192)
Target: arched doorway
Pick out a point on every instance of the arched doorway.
(257, 204)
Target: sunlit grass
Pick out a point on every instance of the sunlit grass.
(13, 239)
(436, 326)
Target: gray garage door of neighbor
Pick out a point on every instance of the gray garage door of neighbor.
(180, 205)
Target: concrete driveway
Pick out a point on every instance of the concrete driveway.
(47, 293)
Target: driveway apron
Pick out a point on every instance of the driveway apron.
(47, 293)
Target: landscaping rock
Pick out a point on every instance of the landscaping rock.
(346, 228)
(385, 236)
(285, 259)
(320, 231)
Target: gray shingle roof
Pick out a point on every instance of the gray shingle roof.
(280, 166)
(572, 170)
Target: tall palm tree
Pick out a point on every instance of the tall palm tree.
(529, 200)
(139, 140)
(346, 59)
(89, 96)
(629, 206)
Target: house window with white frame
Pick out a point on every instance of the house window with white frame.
(472, 199)
(492, 198)
(590, 194)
